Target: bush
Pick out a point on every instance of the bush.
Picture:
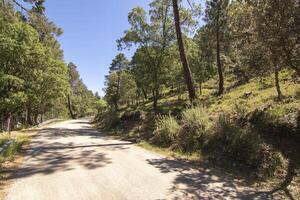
(194, 132)
(136, 115)
(107, 120)
(166, 131)
(236, 141)
(245, 145)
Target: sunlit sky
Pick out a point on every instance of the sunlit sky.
(91, 29)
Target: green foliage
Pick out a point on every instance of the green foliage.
(166, 131)
(128, 88)
(120, 85)
(33, 76)
(134, 115)
(107, 120)
(112, 90)
(101, 105)
(194, 132)
(191, 133)
(155, 64)
(237, 141)
(82, 101)
(30, 75)
(244, 144)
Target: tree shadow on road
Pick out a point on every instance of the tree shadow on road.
(49, 152)
(204, 182)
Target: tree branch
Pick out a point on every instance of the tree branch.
(22, 7)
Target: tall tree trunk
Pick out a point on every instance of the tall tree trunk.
(145, 93)
(28, 116)
(70, 107)
(219, 64)
(185, 65)
(36, 116)
(1, 122)
(118, 86)
(8, 128)
(116, 106)
(155, 94)
(200, 87)
(279, 94)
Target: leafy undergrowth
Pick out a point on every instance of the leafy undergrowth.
(246, 131)
(11, 145)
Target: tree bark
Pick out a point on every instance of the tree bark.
(185, 65)
(28, 117)
(118, 87)
(145, 93)
(116, 106)
(200, 88)
(1, 122)
(279, 94)
(155, 94)
(8, 129)
(70, 107)
(219, 64)
(36, 116)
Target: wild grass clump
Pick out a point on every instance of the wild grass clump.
(194, 132)
(166, 130)
(189, 134)
(11, 145)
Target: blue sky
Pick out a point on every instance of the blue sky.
(91, 28)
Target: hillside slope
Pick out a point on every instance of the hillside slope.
(246, 130)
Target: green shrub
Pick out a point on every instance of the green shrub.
(236, 141)
(243, 144)
(135, 115)
(107, 120)
(166, 130)
(194, 132)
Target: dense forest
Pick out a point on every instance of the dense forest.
(220, 81)
(35, 82)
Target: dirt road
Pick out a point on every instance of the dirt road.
(72, 161)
